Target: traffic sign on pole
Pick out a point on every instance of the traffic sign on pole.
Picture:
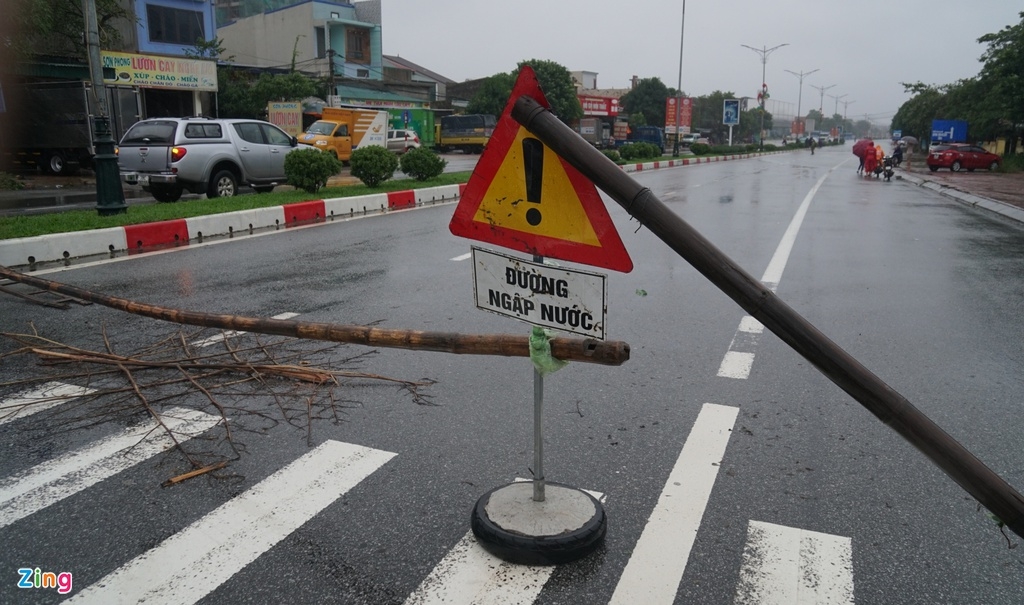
(524, 197)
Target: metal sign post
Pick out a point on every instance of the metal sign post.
(538, 427)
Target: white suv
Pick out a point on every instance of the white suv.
(170, 155)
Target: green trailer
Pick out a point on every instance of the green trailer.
(419, 119)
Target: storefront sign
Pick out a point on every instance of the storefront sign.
(286, 115)
(599, 106)
(153, 71)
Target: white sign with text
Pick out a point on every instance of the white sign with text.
(543, 295)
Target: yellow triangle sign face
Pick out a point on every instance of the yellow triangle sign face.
(557, 212)
(523, 196)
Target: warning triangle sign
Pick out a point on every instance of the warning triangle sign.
(523, 196)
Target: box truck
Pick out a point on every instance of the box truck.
(341, 131)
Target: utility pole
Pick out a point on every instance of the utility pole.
(109, 194)
(330, 64)
(764, 51)
(800, 95)
(679, 86)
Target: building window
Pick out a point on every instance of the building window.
(357, 45)
(321, 42)
(362, 73)
(174, 25)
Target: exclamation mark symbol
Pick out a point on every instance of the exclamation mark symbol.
(533, 162)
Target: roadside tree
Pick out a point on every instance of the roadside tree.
(647, 98)
(555, 80)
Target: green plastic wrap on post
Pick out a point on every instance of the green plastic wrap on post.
(540, 352)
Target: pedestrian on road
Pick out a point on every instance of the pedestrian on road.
(814, 144)
(879, 154)
(870, 160)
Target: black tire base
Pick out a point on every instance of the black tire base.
(516, 547)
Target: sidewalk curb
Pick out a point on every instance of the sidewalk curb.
(970, 199)
(63, 248)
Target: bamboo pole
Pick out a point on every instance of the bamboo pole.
(754, 297)
(610, 353)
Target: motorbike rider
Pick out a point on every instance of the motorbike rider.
(897, 153)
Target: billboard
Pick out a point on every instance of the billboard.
(731, 112)
(949, 131)
(685, 111)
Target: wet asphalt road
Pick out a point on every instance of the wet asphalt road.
(924, 292)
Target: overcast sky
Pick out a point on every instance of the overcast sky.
(865, 48)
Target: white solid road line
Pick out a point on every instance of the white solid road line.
(469, 575)
(44, 397)
(462, 257)
(789, 566)
(737, 364)
(233, 333)
(52, 481)
(193, 562)
(659, 559)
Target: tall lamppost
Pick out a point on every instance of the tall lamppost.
(821, 102)
(836, 110)
(764, 51)
(800, 95)
(679, 85)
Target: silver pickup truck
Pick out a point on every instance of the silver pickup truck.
(167, 156)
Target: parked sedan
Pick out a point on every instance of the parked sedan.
(401, 140)
(959, 156)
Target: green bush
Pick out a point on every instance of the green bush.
(373, 165)
(750, 147)
(422, 164)
(639, 150)
(9, 182)
(308, 169)
(700, 148)
(612, 155)
(728, 149)
(1012, 163)
(770, 147)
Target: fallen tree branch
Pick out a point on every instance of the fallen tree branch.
(611, 353)
(195, 473)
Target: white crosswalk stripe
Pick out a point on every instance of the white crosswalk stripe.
(789, 566)
(50, 394)
(52, 481)
(192, 563)
(469, 575)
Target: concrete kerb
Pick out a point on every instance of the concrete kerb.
(970, 199)
(64, 248)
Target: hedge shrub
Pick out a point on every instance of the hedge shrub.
(308, 169)
(422, 164)
(639, 150)
(700, 148)
(611, 154)
(373, 165)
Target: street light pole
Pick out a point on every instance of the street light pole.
(764, 51)
(679, 85)
(800, 95)
(109, 193)
(836, 110)
(821, 102)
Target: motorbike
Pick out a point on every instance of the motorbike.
(886, 167)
